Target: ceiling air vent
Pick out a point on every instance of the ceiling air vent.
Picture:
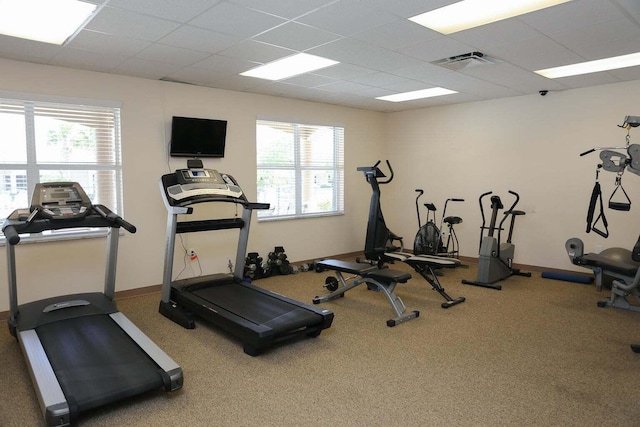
(466, 60)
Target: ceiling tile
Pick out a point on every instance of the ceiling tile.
(286, 8)
(536, 54)
(487, 36)
(397, 35)
(513, 77)
(347, 17)
(235, 20)
(172, 10)
(86, 59)
(130, 24)
(145, 68)
(603, 40)
(344, 71)
(359, 53)
(256, 51)
(108, 43)
(297, 36)
(171, 54)
(225, 65)
(571, 15)
(309, 80)
(199, 39)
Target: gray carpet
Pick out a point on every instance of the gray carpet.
(539, 352)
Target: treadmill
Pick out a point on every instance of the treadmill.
(82, 353)
(257, 317)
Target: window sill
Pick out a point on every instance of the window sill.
(304, 216)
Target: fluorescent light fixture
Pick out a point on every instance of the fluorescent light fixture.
(289, 67)
(613, 63)
(49, 21)
(417, 94)
(474, 13)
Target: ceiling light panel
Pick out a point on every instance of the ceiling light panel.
(417, 94)
(474, 13)
(48, 21)
(613, 63)
(290, 66)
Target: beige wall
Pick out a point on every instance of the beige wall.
(530, 144)
(147, 106)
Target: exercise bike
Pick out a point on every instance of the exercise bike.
(495, 261)
(429, 239)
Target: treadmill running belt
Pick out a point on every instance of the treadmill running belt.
(259, 308)
(96, 362)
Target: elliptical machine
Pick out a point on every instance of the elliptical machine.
(496, 258)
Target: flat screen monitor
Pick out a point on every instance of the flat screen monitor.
(193, 137)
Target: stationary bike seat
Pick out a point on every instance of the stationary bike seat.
(453, 220)
(517, 213)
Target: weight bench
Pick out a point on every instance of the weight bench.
(425, 266)
(623, 265)
(383, 279)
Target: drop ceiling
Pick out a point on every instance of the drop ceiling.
(209, 42)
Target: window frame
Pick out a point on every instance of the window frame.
(337, 167)
(33, 169)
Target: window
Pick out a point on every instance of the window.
(300, 169)
(51, 141)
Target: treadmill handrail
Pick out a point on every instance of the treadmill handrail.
(99, 217)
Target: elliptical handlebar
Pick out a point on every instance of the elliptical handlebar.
(420, 193)
(517, 196)
(482, 196)
(391, 173)
(510, 210)
(374, 173)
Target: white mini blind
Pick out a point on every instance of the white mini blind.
(300, 169)
(46, 141)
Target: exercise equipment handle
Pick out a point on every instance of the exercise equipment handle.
(587, 152)
(125, 224)
(517, 199)
(116, 219)
(420, 193)
(482, 196)
(456, 200)
(11, 235)
(391, 173)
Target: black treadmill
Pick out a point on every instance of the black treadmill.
(257, 317)
(81, 352)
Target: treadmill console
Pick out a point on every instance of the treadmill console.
(59, 200)
(194, 183)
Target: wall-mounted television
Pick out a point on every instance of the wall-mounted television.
(193, 137)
